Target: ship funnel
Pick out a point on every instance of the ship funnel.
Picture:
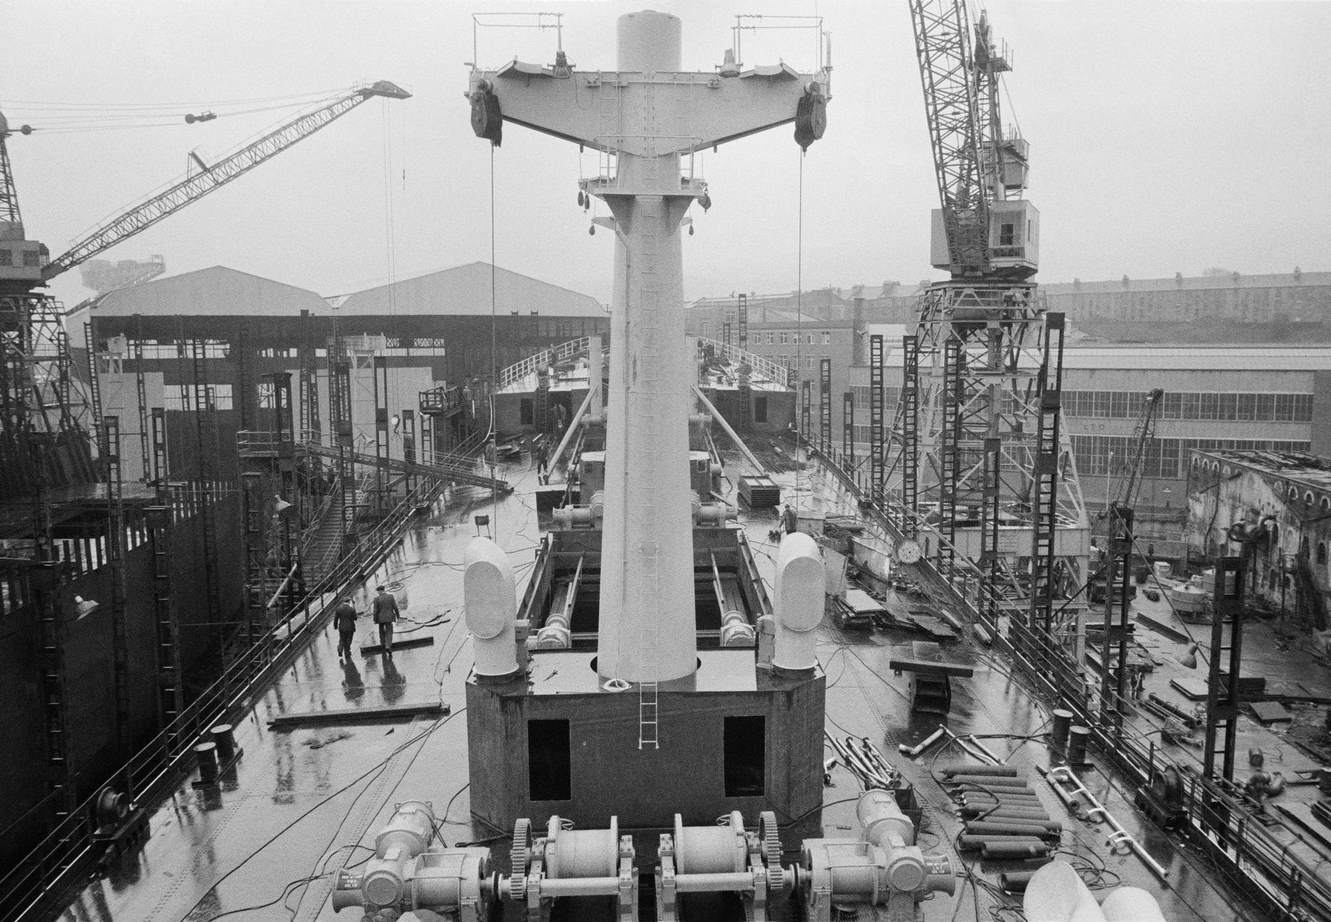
(490, 598)
(799, 602)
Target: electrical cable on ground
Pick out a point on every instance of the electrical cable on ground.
(378, 766)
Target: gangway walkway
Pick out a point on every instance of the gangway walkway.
(459, 471)
(457, 468)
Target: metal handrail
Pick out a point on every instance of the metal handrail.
(546, 357)
(762, 366)
(31, 879)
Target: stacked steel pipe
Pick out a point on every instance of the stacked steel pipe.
(864, 760)
(1002, 814)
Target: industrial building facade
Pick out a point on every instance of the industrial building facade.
(407, 337)
(1215, 398)
(1273, 509)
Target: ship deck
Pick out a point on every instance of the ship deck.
(305, 801)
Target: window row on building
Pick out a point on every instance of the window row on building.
(1106, 454)
(212, 349)
(771, 337)
(218, 397)
(891, 394)
(1251, 304)
(1296, 408)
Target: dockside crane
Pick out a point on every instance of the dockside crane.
(35, 398)
(1123, 494)
(43, 444)
(979, 419)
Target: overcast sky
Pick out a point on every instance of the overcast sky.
(1165, 137)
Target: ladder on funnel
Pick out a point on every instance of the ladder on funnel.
(648, 722)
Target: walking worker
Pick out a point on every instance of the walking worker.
(542, 461)
(385, 613)
(344, 617)
(791, 520)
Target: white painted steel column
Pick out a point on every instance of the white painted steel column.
(643, 116)
(647, 629)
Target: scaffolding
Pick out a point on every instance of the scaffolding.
(877, 433)
(986, 471)
(825, 404)
(848, 428)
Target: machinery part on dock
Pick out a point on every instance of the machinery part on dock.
(206, 756)
(736, 630)
(569, 862)
(557, 632)
(798, 603)
(721, 858)
(1005, 851)
(519, 854)
(1011, 828)
(1058, 733)
(588, 515)
(490, 596)
(713, 514)
(970, 747)
(883, 868)
(972, 842)
(1078, 737)
(971, 771)
(1118, 837)
(1015, 881)
(1056, 893)
(997, 783)
(407, 872)
(914, 751)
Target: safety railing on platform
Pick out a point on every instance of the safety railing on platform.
(780, 375)
(441, 400)
(1216, 816)
(543, 359)
(143, 778)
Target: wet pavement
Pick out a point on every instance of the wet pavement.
(306, 802)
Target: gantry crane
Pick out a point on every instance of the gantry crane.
(978, 428)
(35, 400)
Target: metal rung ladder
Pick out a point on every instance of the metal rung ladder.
(648, 716)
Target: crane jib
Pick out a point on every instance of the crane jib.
(162, 205)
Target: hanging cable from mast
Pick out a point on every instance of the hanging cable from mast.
(491, 446)
(799, 327)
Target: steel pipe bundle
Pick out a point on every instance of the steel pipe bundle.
(866, 763)
(1002, 815)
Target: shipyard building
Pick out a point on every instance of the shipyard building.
(153, 576)
(1276, 507)
(220, 330)
(1254, 376)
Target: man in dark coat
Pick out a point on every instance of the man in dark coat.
(344, 617)
(385, 613)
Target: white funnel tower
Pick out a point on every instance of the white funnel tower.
(647, 629)
(644, 116)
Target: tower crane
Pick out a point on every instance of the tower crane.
(1123, 494)
(979, 417)
(34, 356)
(1115, 522)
